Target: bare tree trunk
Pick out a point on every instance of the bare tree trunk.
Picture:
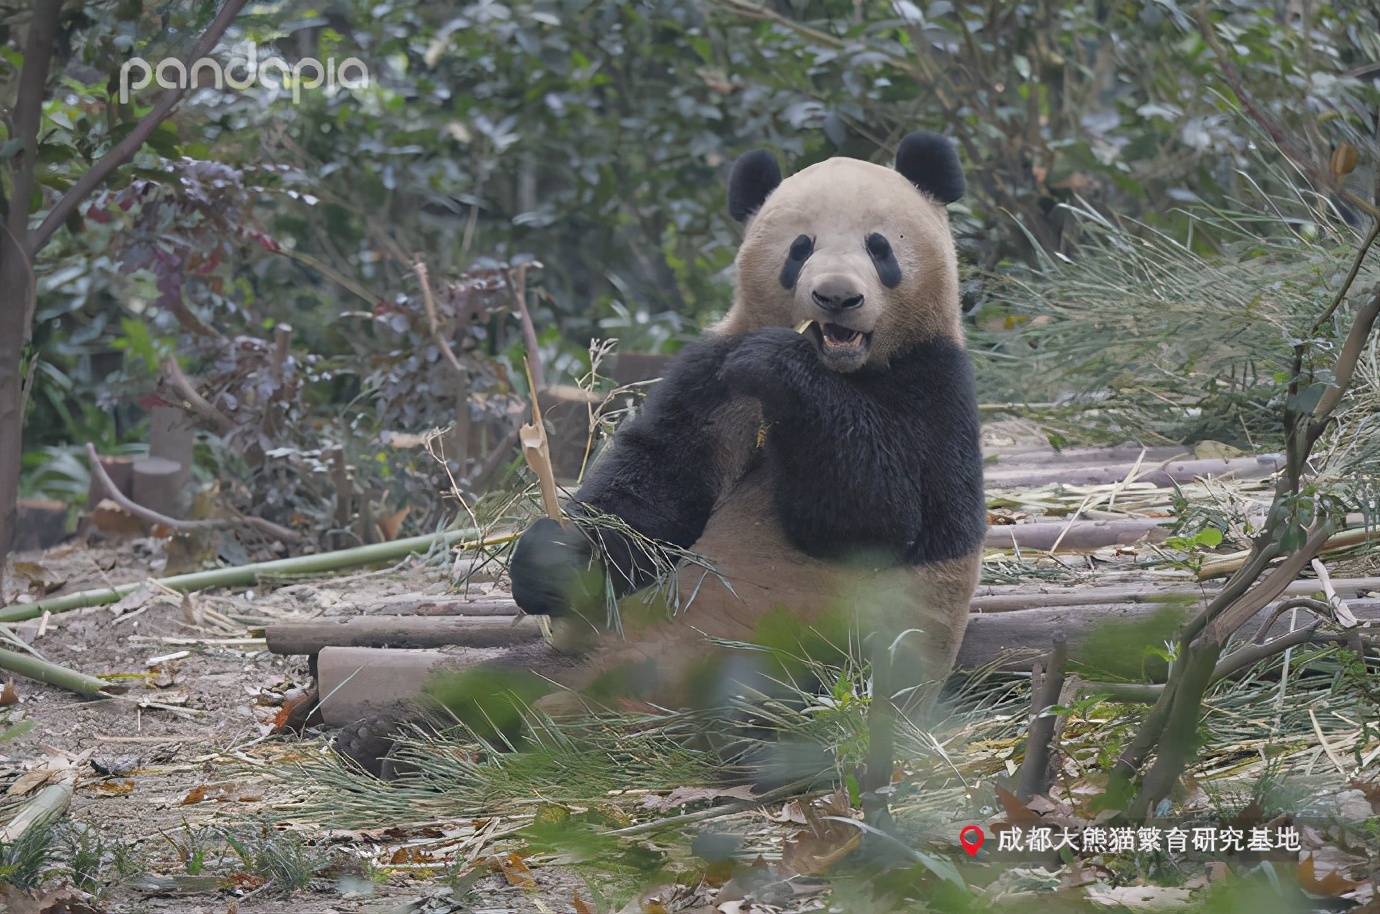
(16, 274)
(19, 245)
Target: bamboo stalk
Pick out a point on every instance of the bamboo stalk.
(1033, 777)
(248, 575)
(32, 667)
(537, 451)
(1227, 564)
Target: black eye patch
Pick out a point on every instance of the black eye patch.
(884, 258)
(801, 249)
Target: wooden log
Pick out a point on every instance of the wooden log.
(172, 436)
(1078, 536)
(992, 599)
(1160, 474)
(400, 632)
(158, 485)
(1014, 637)
(356, 682)
(41, 523)
(1028, 457)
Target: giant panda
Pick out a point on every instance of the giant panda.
(832, 469)
(834, 472)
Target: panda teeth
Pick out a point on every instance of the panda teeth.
(836, 337)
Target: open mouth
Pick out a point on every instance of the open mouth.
(840, 339)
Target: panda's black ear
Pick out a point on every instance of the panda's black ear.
(930, 162)
(755, 176)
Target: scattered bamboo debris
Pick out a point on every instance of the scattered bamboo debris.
(495, 604)
(254, 573)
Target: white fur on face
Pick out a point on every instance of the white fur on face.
(839, 203)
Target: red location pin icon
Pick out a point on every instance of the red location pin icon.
(971, 837)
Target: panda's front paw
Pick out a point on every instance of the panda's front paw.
(765, 361)
(551, 569)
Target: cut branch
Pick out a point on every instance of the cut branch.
(149, 516)
(536, 373)
(192, 401)
(460, 434)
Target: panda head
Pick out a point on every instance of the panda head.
(861, 251)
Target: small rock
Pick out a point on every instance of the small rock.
(115, 765)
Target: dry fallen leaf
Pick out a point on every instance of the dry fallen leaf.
(115, 788)
(810, 854)
(408, 855)
(67, 900)
(112, 520)
(196, 795)
(1329, 884)
(1343, 159)
(9, 695)
(31, 780)
(515, 871)
(1017, 813)
(1371, 790)
(391, 525)
(42, 581)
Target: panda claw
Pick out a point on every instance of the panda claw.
(369, 743)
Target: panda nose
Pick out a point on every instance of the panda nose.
(835, 296)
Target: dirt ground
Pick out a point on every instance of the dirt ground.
(185, 750)
(188, 763)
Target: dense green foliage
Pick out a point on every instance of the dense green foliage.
(594, 137)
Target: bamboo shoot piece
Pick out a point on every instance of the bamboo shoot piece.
(32, 667)
(45, 807)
